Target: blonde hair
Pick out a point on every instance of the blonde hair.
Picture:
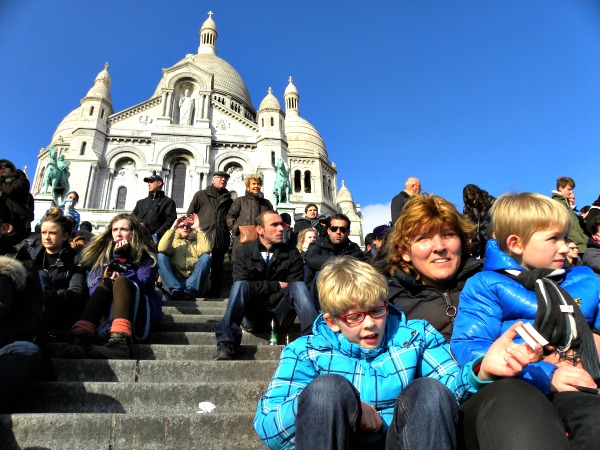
(345, 283)
(423, 211)
(302, 237)
(99, 251)
(524, 214)
(249, 178)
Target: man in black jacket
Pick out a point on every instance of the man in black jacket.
(411, 187)
(157, 211)
(212, 205)
(336, 243)
(268, 285)
(20, 312)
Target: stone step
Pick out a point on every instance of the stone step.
(215, 431)
(141, 398)
(131, 371)
(202, 338)
(192, 310)
(187, 352)
(199, 303)
(209, 324)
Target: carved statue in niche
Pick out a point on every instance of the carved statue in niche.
(124, 168)
(185, 108)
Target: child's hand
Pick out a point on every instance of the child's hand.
(505, 358)
(565, 377)
(370, 420)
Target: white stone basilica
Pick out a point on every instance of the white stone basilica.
(200, 119)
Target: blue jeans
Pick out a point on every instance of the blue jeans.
(296, 301)
(194, 285)
(329, 414)
(18, 362)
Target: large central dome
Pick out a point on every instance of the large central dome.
(226, 78)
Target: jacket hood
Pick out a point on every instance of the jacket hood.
(13, 269)
(496, 259)
(339, 342)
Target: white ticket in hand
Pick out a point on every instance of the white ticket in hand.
(531, 336)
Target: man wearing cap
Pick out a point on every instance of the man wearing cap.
(157, 211)
(211, 205)
(379, 233)
(411, 187)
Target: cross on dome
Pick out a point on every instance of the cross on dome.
(210, 13)
(290, 79)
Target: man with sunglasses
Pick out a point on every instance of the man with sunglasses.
(336, 243)
(184, 259)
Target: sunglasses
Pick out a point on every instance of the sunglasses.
(359, 317)
(4, 166)
(573, 248)
(342, 229)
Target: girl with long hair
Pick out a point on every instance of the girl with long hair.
(122, 273)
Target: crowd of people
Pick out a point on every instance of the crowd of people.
(428, 324)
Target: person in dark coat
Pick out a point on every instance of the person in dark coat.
(311, 219)
(336, 243)
(477, 208)
(20, 312)
(268, 286)
(411, 187)
(63, 280)
(244, 210)
(14, 190)
(157, 211)
(212, 205)
(426, 261)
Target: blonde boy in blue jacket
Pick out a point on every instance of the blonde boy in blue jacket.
(367, 378)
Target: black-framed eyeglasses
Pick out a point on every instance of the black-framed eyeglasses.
(358, 317)
(342, 229)
(573, 248)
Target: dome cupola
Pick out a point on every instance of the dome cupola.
(291, 98)
(102, 85)
(208, 37)
(269, 102)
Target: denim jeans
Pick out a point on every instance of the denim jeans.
(329, 414)
(18, 362)
(194, 285)
(296, 301)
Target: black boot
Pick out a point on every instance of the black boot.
(117, 347)
(79, 344)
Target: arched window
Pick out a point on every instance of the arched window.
(102, 113)
(82, 149)
(121, 197)
(263, 122)
(272, 122)
(178, 191)
(91, 111)
(324, 186)
(307, 181)
(297, 181)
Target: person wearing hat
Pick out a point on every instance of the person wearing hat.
(157, 211)
(379, 233)
(211, 205)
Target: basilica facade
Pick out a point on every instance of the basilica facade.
(199, 120)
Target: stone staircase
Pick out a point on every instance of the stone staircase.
(150, 402)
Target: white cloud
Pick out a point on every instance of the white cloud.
(373, 215)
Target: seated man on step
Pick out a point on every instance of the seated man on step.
(267, 285)
(184, 259)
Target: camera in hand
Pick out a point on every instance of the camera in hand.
(115, 266)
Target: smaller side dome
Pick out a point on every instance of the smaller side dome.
(269, 102)
(344, 195)
(102, 85)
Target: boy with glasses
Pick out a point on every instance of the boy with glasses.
(367, 378)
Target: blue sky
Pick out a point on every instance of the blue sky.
(504, 94)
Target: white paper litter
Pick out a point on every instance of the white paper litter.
(206, 407)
